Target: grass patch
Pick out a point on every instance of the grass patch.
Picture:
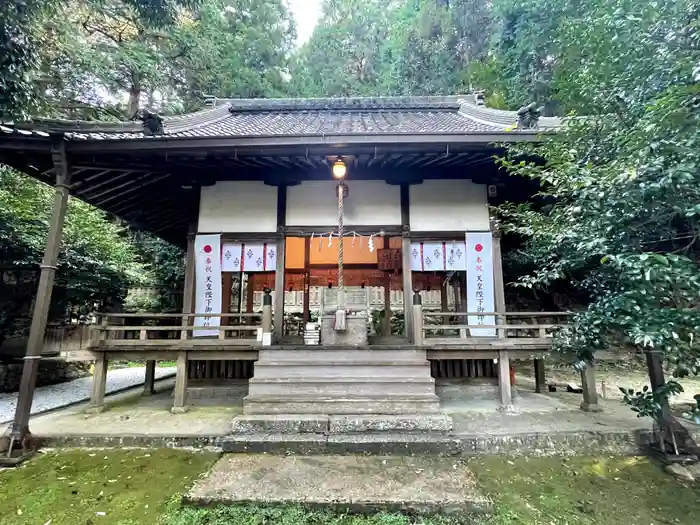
(584, 491)
(69, 488)
(293, 515)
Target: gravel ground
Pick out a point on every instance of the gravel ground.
(56, 396)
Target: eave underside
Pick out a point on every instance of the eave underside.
(156, 189)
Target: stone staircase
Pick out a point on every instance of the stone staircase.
(332, 381)
(343, 399)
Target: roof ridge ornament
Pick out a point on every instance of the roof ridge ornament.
(529, 116)
(152, 122)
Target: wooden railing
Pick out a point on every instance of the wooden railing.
(141, 329)
(438, 328)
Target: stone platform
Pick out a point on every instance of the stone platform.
(357, 483)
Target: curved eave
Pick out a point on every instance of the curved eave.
(332, 141)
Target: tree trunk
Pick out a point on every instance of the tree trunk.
(657, 380)
(134, 96)
(672, 435)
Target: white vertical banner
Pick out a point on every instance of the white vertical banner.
(231, 257)
(270, 257)
(253, 258)
(207, 249)
(480, 286)
(433, 257)
(455, 256)
(417, 256)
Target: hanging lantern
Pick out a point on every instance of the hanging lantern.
(339, 169)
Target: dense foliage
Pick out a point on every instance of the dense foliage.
(389, 47)
(96, 264)
(622, 185)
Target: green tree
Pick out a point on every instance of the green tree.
(18, 55)
(96, 264)
(120, 39)
(622, 187)
(344, 56)
(234, 50)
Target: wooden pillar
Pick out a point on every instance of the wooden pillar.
(504, 387)
(267, 318)
(189, 285)
(279, 268)
(417, 319)
(37, 330)
(250, 293)
(99, 385)
(444, 303)
(457, 298)
(149, 385)
(407, 287)
(590, 392)
(498, 285)
(462, 276)
(386, 328)
(540, 381)
(406, 261)
(180, 394)
(307, 281)
(506, 393)
(226, 294)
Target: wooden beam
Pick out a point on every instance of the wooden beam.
(129, 190)
(126, 184)
(91, 188)
(42, 303)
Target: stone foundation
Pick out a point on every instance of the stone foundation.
(51, 371)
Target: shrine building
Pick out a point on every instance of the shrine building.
(340, 252)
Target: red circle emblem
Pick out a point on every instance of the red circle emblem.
(478, 247)
(207, 249)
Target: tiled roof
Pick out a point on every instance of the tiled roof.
(303, 118)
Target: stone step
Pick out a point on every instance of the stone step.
(329, 354)
(384, 404)
(341, 386)
(350, 424)
(414, 485)
(272, 370)
(280, 424)
(370, 443)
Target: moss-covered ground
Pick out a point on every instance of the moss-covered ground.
(128, 487)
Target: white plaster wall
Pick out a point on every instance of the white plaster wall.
(238, 206)
(448, 205)
(370, 202)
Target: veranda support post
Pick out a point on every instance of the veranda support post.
(417, 319)
(590, 393)
(37, 330)
(540, 381)
(149, 386)
(180, 393)
(278, 319)
(504, 386)
(99, 385)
